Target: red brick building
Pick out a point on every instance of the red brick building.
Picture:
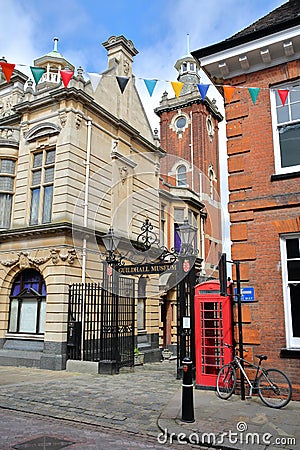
(189, 183)
(264, 169)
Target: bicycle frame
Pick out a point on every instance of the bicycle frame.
(252, 385)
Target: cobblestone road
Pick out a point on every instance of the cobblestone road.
(129, 401)
(22, 431)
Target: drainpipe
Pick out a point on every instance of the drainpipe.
(85, 224)
(192, 150)
(202, 245)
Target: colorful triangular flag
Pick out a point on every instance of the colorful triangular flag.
(66, 76)
(7, 70)
(228, 92)
(95, 80)
(122, 82)
(177, 86)
(203, 88)
(283, 93)
(254, 93)
(37, 73)
(150, 84)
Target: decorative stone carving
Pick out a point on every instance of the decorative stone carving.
(126, 67)
(123, 173)
(210, 128)
(78, 120)
(69, 257)
(25, 261)
(25, 128)
(63, 118)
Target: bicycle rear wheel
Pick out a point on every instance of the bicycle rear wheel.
(226, 381)
(274, 388)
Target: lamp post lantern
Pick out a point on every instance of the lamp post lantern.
(187, 233)
(111, 242)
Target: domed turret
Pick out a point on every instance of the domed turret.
(188, 69)
(53, 62)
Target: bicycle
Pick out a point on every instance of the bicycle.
(272, 385)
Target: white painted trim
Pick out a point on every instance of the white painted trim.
(291, 342)
(251, 46)
(276, 142)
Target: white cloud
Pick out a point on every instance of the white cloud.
(18, 27)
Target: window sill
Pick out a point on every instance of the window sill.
(285, 176)
(293, 353)
(32, 337)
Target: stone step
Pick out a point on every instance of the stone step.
(22, 358)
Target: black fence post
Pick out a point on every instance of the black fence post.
(187, 391)
(240, 324)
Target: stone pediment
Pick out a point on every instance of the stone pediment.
(42, 130)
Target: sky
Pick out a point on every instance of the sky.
(157, 28)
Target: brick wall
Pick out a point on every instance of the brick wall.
(260, 209)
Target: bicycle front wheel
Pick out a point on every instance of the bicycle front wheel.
(274, 388)
(226, 381)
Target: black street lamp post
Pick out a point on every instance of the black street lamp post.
(185, 295)
(111, 243)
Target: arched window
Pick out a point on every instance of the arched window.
(211, 176)
(181, 175)
(28, 303)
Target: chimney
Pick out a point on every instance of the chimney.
(121, 51)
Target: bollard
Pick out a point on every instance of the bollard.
(187, 391)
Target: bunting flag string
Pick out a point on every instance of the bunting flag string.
(95, 78)
(37, 73)
(66, 76)
(177, 87)
(203, 88)
(283, 93)
(254, 93)
(122, 82)
(228, 92)
(150, 85)
(7, 70)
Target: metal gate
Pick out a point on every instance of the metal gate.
(101, 321)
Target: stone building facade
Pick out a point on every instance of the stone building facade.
(73, 162)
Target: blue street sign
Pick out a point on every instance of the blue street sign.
(247, 294)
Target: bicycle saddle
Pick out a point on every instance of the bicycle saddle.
(262, 357)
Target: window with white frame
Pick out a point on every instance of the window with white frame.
(28, 303)
(42, 178)
(286, 129)
(181, 175)
(290, 253)
(7, 180)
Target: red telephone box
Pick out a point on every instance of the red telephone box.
(213, 328)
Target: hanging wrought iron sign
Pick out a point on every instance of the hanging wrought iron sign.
(146, 268)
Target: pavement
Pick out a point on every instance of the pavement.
(147, 401)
